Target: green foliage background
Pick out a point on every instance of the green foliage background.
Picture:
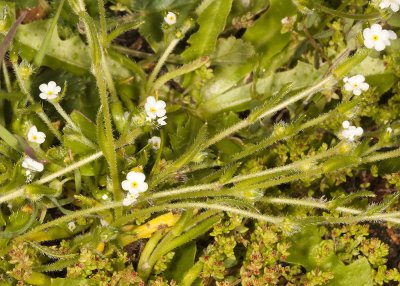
(252, 183)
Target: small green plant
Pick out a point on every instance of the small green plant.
(198, 142)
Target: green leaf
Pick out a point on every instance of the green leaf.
(302, 253)
(240, 99)
(212, 22)
(357, 273)
(234, 60)
(265, 34)
(85, 125)
(183, 260)
(71, 54)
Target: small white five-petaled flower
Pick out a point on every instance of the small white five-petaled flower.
(32, 165)
(35, 136)
(155, 142)
(393, 4)
(49, 91)
(378, 38)
(350, 132)
(135, 182)
(71, 226)
(356, 84)
(154, 108)
(170, 18)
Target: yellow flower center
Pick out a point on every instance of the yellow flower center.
(152, 109)
(134, 184)
(35, 137)
(355, 85)
(50, 92)
(375, 37)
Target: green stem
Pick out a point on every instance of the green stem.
(164, 57)
(389, 217)
(20, 191)
(381, 156)
(245, 123)
(69, 217)
(50, 125)
(103, 24)
(341, 14)
(64, 115)
(98, 66)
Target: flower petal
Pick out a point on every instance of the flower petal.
(126, 185)
(43, 87)
(135, 176)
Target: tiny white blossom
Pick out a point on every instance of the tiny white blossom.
(32, 165)
(155, 142)
(126, 115)
(154, 108)
(285, 21)
(71, 226)
(356, 84)
(161, 121)
(389, 130)
(351, 132)
(35, 136)
(135, 183)
(378, 38)
(130, 199)
(393, 4)
(49, 91)
(104, 197)
(346, 124)
(170, 19)
(103, 223)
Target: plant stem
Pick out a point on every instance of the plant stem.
(69, 217)
(245, 123)
(50, 125)
(64, 115)
(20, 191)
(164, 57)
(97, 54)
(389, 217)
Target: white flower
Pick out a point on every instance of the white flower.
(71, 226)
(35, 136)
(170, 19)
(135, 183)
(350, 132)
(393, 4)
(154, 108)
(49, 91)
(378, 38)
(32, 165)
(161, 121)
(103, 223)
(155, 142)
(346, 124)
(356, 84)
(104, 197)
(389, 130)
(130, 199)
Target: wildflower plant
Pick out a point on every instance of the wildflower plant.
(206, 149)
